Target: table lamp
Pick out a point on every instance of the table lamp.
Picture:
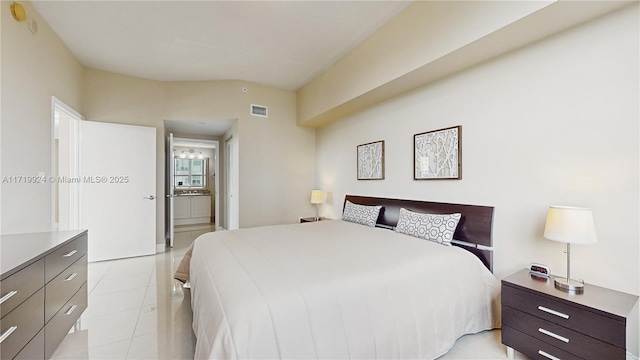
(317, 198)
(570, 225)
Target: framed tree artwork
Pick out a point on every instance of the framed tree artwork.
(371, 161)
(437, 154)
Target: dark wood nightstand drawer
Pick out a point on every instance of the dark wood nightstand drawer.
(19, 286)
(533, 347)
(62, 258)
(559, 336)
(566, 315)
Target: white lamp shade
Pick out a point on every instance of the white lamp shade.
(570, 225)
(317, 197)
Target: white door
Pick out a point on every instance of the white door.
(170, 191)
(118, 189)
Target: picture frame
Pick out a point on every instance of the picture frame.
(371, 161)
(437, 154)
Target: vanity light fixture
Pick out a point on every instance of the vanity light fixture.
(183, 155)
(200, 156)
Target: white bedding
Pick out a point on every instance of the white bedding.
(334, 290)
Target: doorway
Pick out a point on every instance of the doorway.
(193, 187)
(65, 166)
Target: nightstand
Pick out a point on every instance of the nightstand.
(311, 219)
(543, 322)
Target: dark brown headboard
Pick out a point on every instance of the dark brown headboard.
(474, 227)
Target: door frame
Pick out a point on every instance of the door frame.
(231, 180)
(170, 194)
(58, 105)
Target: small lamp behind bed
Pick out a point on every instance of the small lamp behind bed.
(570, 225)
(317, 198)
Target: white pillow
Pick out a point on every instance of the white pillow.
(361, 214)
(434, 227)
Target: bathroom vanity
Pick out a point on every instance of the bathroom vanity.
(192, 207)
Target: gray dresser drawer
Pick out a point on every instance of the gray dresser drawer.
(34, 349)
(18, 287)
(62, 287)
(60, 324)
(25, 320)
(63, 257)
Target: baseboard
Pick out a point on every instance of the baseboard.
(630, 356)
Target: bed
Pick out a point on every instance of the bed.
(337, 289)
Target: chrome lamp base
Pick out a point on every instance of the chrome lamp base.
(566, 283)
(569, 285)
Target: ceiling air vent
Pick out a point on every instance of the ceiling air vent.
(259, 110)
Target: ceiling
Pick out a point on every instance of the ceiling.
(283, 44)
(213, 127)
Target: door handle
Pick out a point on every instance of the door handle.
(150, 197)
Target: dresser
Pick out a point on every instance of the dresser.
(43, 291)
(543, 322)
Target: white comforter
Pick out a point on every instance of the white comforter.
(334, 290)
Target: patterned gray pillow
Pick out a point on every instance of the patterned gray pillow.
(361, 214)
(434, 227)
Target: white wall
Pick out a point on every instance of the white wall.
(556, 122)
(35, 67)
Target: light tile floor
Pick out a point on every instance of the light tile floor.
(137, 311)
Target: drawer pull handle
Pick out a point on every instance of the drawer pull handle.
(548, 356)
(6, 333)
(70, 253)
(70, 310)
(70, 277)
(555, 336)
(553, 312)
(8, 296)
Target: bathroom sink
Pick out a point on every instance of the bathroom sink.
(192, 193)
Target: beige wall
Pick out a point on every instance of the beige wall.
(277, 167)
(437, 28)
(555, 123)
(277, 158)
(114, 98)
(34, 68)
